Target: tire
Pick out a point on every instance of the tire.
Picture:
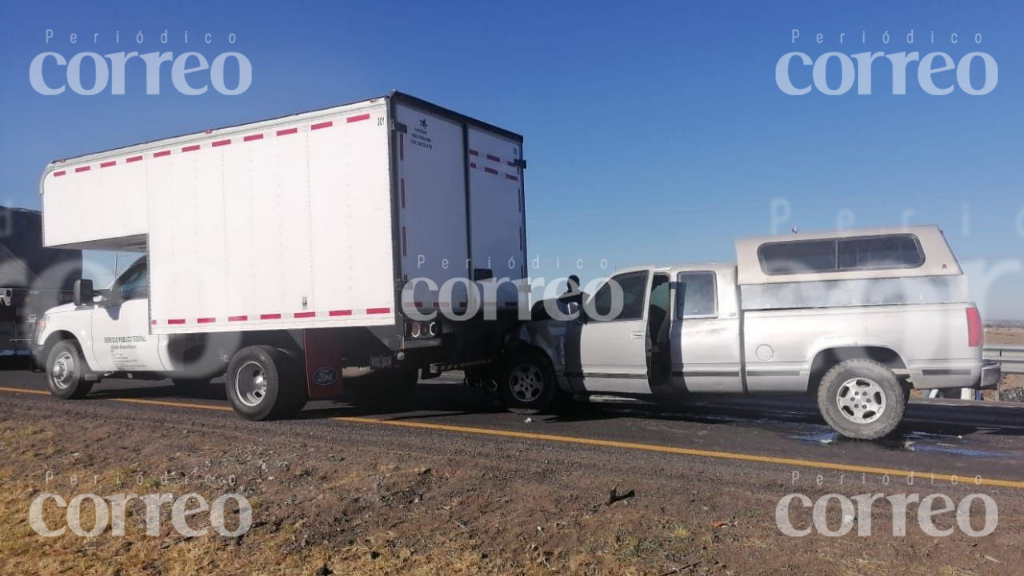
(861, 399)
(66, 371)
(527, 384)
(264, 383)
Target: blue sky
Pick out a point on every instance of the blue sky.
(655, 131)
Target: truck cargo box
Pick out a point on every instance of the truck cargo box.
(312, 220)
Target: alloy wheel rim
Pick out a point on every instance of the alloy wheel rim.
(526, 382)
(861, 400)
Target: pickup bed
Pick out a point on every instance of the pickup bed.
(856, 318)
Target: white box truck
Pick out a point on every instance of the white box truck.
(276, 253)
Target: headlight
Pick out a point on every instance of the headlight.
(40, 326)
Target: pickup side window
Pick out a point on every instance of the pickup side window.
(696, 295)
(894, 251)
(634, 290)
(798, 257)
(890, 251)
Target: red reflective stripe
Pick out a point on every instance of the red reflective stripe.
(304, 315)
(270, 316)
(474, 153)
(61, 173)
(491, 171)
(404, 247)
(192, 148)
(176, 321)
(340, 313)
(401, 146)
(134, 159)
(472, 164)
(153, 322)
(321, 125)
(402, 181)
(511, 177)
(359, 118)
(287, 131)
(237, 318)
(221, 143)
(252, 137)
(164, 153)
(108, 164)
(378, 310)
(493, 158)
(82, 169)
(206, 320)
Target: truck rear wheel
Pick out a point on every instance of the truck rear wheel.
(263, 382)
(861, 399)
(527, 383)
(66, 370)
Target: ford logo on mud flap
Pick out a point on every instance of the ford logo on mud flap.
(325, 376)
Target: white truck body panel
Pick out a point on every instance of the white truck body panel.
(296, 222)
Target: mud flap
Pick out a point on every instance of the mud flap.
(323, 350)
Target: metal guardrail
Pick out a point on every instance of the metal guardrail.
(1010, 358)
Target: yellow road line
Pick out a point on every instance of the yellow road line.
(609, 444)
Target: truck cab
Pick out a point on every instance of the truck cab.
(110, 329)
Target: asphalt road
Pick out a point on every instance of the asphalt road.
(941, 438)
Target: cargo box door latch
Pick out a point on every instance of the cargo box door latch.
(399, 127)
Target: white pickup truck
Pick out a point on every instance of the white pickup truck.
(857, 318)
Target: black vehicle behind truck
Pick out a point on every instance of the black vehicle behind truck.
(33, 279)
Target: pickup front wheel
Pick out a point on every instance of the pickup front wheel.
(527, 384)
(861, 399)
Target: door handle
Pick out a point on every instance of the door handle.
(637, 334)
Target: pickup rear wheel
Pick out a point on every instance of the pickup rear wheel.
(527, 384)
(263, 382)
(861, 399)
(65, 371)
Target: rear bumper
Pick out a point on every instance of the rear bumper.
(991, 374)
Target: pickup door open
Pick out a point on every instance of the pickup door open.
(609, 351)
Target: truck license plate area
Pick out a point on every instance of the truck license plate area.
(380, 362)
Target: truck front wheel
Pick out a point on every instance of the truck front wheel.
(861, 399)
(65, 371)
(263, 382)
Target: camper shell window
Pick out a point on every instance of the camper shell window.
(884, 252)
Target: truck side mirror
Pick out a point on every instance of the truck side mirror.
(84, 292)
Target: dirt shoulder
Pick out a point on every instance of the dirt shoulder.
(332, 497)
